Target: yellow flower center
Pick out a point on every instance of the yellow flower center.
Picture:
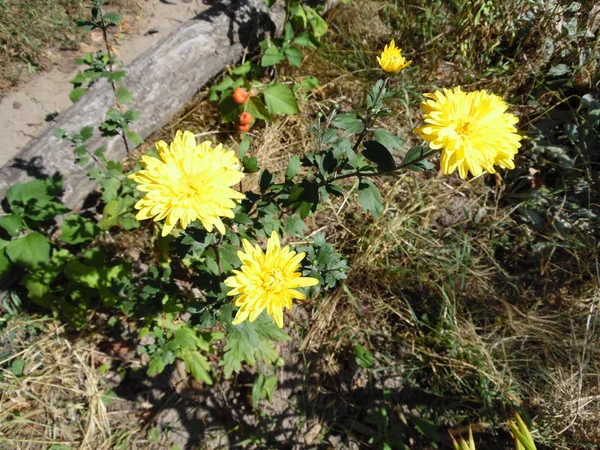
(274, 281)
(191, 186)
(464, 128)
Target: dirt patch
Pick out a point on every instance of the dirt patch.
(40, 97)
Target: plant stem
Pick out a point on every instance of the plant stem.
(369, 118)
(379, 174)
(110, 69)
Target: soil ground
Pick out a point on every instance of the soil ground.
(27, 109)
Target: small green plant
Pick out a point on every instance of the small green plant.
(243, 99)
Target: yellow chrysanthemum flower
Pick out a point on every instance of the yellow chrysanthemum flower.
(472, 129)
(188, 182)
(391, 59)
(267, 281)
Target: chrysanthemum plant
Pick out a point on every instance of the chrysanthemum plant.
(225, 257)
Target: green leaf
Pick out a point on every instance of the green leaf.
(294, 56)
(304, 197)
(244, 147)
(5, 264)
(363, 357)
(280, 99)
(306, 39)
(112, 18)
(17, 366)
(242, 70)
(250, 164)
(250, 341)
(225, 84)
(370, 198)
(183, 337)
(350, 123)
(308, 83)
(317, 23)
(124, 95)
(257, 108)
(76, 230)
(380, 155)
(266, 180)
(263, 388)
(293, 167)
(86, 133)
(272, 56)
(197, 365)
(229, 109)
(295, 226)
(30, 251)
(388, 140)
(133, 138)
(76, 93)
(297, 15)
(110, 215)
(12, 224)
(415, 155)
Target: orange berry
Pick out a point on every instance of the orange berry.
(246, 118)
(245, 127)
(240, 95)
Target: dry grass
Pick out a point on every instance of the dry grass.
(60, 397)
(44, 33)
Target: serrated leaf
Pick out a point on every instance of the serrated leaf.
(31, 251)
(295, 226)
(380, 155)
(250, 341)
(134, 138)
(183, 337)
(110, 215)
(124, 95)
(350, 123)
(280, 99)
(197, 365)
(86, 133)
(370, 198)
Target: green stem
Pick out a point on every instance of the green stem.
(379, 174)
(369, 118)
